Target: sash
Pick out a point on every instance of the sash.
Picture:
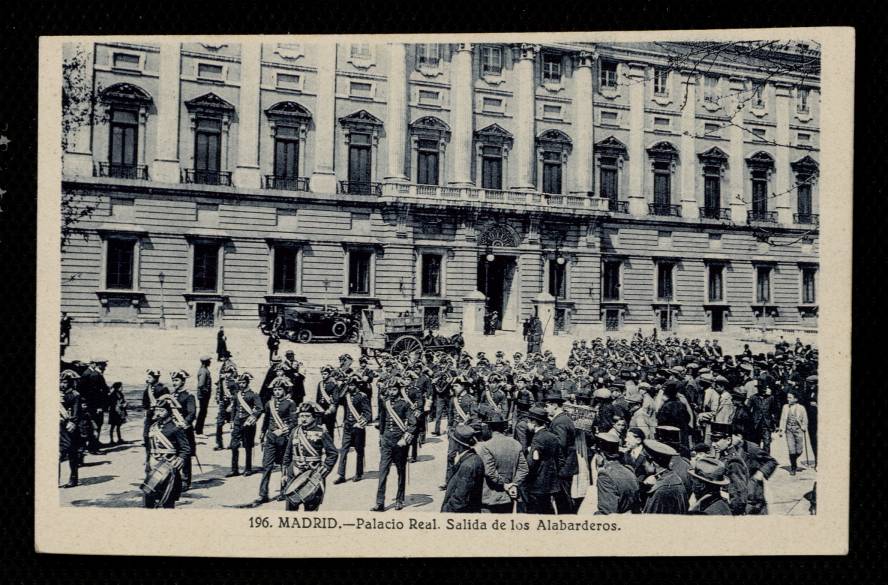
(354, 412)
(407, 398)
(243, 403)
(391, 412)
(306, 446)
(459, 410)
(64, 412)
(282, 428)
(166, 445)
(151, 399)
(324, 394)
(489, 398)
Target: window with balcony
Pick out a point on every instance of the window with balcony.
(551, 172)
(610, 277)
(289, 123)
(664, 281)
(359, 162)
(429, 138)
(491, 61)
(609, 184)
(662, 184)
(210, 117)
(285, 279)
(761, 165)
(609, 156)
(714, 162)
(126, 109)
(806, 171)
(663, 157)
(205, 267)
(607, 74)
(716, 283)
(802, 105)
(661, 82)
(120, 263)
(359, 267)
(551, 68)
(286, 153)
(124, 143)
(558, 279)
(763, 285)
(553, 148)
(428, 56)
(427, 156)
(431, 275)
(492, 167)
(809, 285)
(759, 192)
(207, 148)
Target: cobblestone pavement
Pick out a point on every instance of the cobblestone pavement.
(113, 478)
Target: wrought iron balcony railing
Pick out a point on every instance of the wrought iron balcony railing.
(617, 206)
(360, 187)
(286, 183)
(201, 177)
(806, 218)
(104, 169)
(761, 216)
(455, 195)
(664, 209)
(715, 213)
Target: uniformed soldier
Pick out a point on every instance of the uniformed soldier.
(154, 389)
(441, 392)
(184, 414)
(617, 484)
(310, 447)
(494, 397)
(397, 426)
(543, 461)
(667, 495)
(463, 409)
(167, 444)
(225, 389)
(563, 427)
(279, 420)
(69, 429)
(356, 417)
(412, 394)
(204, 391)
(327, 397)
(246, 406)
(290, 367)
(707, 480)
(94, 395)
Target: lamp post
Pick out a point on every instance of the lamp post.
(161, 277)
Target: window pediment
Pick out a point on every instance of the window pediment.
(555, 138)
(805, 166)
(761, 160)
(360, 119)
(610, 146)
(289, 112)
(494, 134)
(431, 126)
(714, 156)
(126, 93)
(663, 151)
(209, 103)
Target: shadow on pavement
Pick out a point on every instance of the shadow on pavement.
(97, 479)
(94, 463)
(417, 500)
(130, 499)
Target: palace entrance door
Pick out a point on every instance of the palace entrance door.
(498, 280)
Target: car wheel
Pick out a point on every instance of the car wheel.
(304, 336)
(339, 329)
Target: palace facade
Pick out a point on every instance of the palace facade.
(428, 177)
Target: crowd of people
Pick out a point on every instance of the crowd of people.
(647, 425)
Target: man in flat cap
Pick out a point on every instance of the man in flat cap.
(543, 461)
(505, 467)
(617, 485)
(708, 477)
(466, 484)
(667, 495)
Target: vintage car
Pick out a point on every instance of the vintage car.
(304, 322)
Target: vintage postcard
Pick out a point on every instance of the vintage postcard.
(445, 295)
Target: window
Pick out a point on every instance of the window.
(763, 284)
(716, 283)
(759, 192)
(662, 183)
(661, 82)
(431, 275)
(758, 96)
(809, 286)
(491, 61)
(289, 81)
(428, 157)
(205, 274)
(286, 152)
(429, 98)
(610, 119)
(491, 167)
(120, 263)
(759, 134)
(608, 178)
(207, 145)
(710, 89)
(712, 188)
(360, 50)
(664, 281)
(127, 61)
(662, 123)
(804, 138)
(210, 71)
(557, 279)
(361, 90)
(551, 68)
(551, 172)
(711, 130)
(489, 104)
(428, 56)
(359, 161)
(359, 272)
(551, 112)
(124, 140)
(610, 288)
(802, 100)
(803, 195)
(608, 74)
(285, 270)
(612, 320)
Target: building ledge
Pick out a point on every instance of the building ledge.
(361, 300)
(206, 297)
(135, 296)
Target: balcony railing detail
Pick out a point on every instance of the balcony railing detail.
(139, 172)
(361, 187)
(761, 216)
(201, 177)
(440, 193)
(716, 213)
(806, 218)
(664, 209)
(286, 183)
(617, 206)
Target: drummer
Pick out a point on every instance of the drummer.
(168, 449)
(308, 459)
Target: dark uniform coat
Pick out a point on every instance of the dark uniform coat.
(543, 461)
(157, 450)
(242, 435)
(563, 427)
(617, 489)
(667, 495)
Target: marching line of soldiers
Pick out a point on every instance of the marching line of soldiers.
(652, 425)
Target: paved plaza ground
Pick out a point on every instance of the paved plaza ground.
(113, 478)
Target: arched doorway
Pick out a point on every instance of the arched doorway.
(498, 276)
